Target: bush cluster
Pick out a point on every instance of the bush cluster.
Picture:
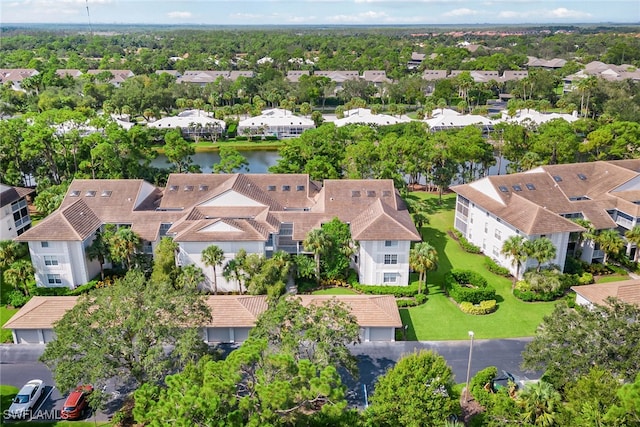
(419, 299)
(469, 286)
(396, 291)
(479, 383)
(485, 307)
(17, 298)
(493, 267)
(523, 292)
(465, 244)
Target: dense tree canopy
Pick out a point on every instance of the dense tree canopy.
(122, 332)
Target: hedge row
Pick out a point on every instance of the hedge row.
(396, 291)
(485, 307)
(412, 302)
(456, 282)
(465, 244)
(530, 296)
(493, 267)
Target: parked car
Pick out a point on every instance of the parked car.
(507, 380)
(76, 403)
(26, 399)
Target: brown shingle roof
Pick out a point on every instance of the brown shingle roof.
(227, 310)
(627, 291)
(378, 222)
(10, 194)
(71, 223)
(534, 201)
(41, 312)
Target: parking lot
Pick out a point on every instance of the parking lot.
(49, 406)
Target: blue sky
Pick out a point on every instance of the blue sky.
(320, 12)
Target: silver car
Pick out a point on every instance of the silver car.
(25, 400)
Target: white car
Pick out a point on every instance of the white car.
(26, 399)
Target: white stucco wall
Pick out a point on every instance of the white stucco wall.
(191, 253)
(371, 266)
(7, 224)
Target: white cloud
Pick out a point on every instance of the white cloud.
(301, 19)
(562, 12)
(360, 17)
(179, 14)
(246, 16)
(461, 12)
(559, 13)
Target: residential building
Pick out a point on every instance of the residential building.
(543, 202)
(365, 117)
(15, 76)
(416, 60)
(117, 76)
(293, 76)
(446, 119)
(233, 316)
(627, 291)
(194, 124)
(275, 122)
(260, 213)
(14, 213)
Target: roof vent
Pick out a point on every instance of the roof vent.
(517, 188)
(173, 188)
(530, 186)
(371, 193)
(503, 189)
(271, 188)
(286, 188)
(106, 193)
(203, 187)
(557, 178)
(74, 193)
(90, 193)
(300, 188)
(582, 177)
(188, 188)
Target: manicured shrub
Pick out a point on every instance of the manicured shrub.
(419, 299)
(17, 298)
(469, 286)
(493, 267)
(396, 291)
(464, 243)
(485, 307)
(586, 279)
(480, 385)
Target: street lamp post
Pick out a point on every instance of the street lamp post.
(471, 335)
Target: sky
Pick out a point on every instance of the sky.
(320, 12)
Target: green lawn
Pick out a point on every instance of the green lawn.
(335, 291)
(440, 318)
(5, 315)
(611, 278)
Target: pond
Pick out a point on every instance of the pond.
(259, 160)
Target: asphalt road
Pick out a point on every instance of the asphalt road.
(19, 364)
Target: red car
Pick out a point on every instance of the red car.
(76, 403)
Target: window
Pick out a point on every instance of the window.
(188, 188)
(54, 279)
(90, 193)
(390, 259)
(390, 278)
(386, 193)
(371, 193)
(173, 188)
(44, 244)
(300, 188)
(486, 227)
(517, 188)
(391, 243)
(286, 188)
(203, 187)
(50, 260)
(164, 227)
(496, 252)
(106, 193)
(271, 188)
(582, 177)
(557, 178)
(530, 186)
(498, 234)
(355, 193)
(74, 193)
(503, 189)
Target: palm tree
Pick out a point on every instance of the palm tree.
(213, 256)
(10, 251)
(542, 250)
(123, 244)
(610, 242)
(317, 243)
(19, 273)
(423, 258)
(585, 87)
(633, 237)
(232, 271)
(515, 249)
(588, 234)
(540, 403)
(190, 276)
(98, 250)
